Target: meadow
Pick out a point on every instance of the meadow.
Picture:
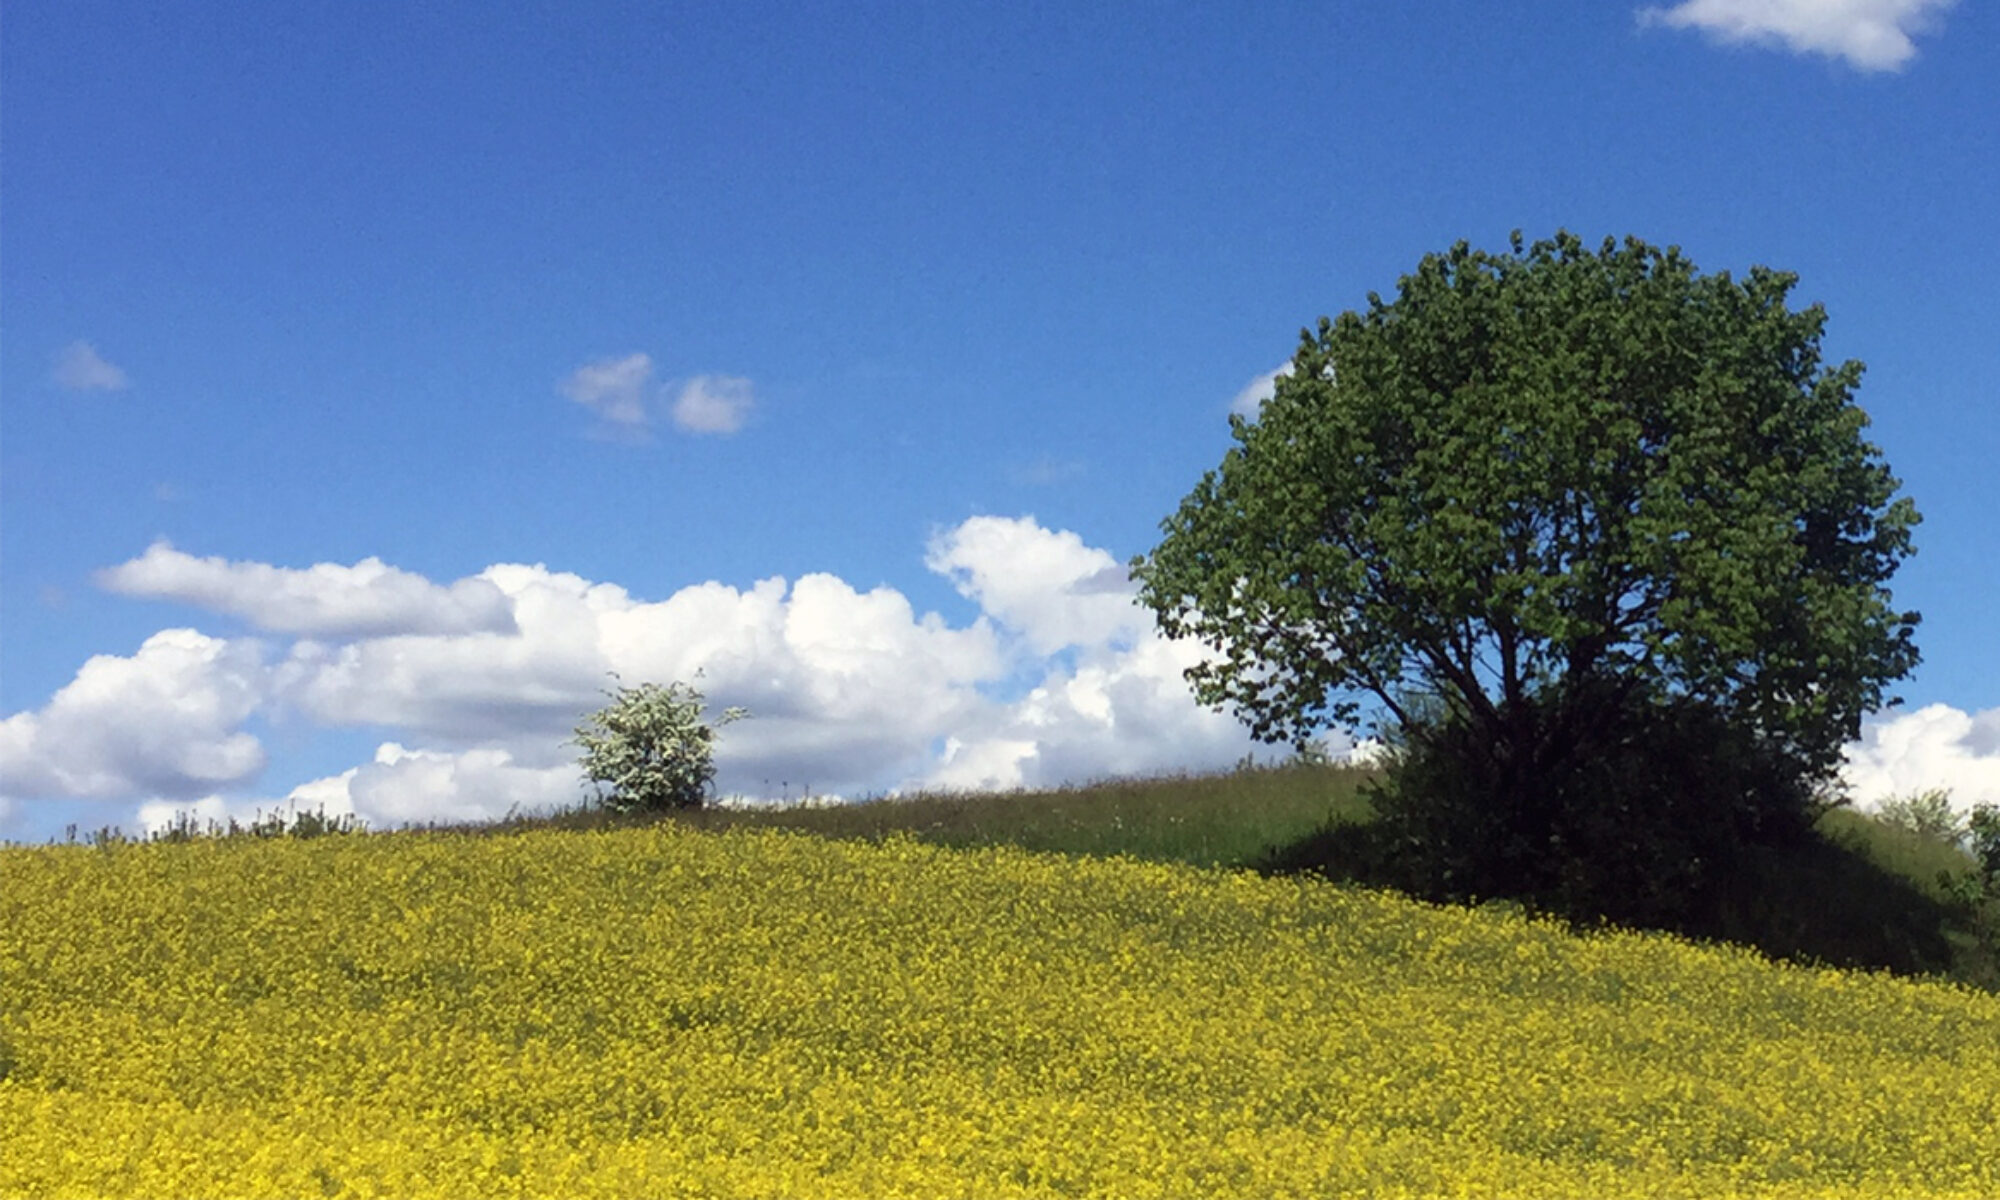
(1074, 993)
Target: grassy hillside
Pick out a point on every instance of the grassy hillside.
(658, 1011)
(1229, 820)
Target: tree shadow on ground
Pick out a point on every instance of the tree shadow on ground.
(1816, 902)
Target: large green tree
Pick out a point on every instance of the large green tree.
(1541, 489)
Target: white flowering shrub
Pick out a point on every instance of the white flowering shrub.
(649, 749)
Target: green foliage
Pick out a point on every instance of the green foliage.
(1555, 466)
(1983, 831)
(1601, 536)
(1647, 826)
(651, 749)
(1926, 814)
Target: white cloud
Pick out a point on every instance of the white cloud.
(713, 404)
(1047, 585)
(616, 389)
(994, 763)
(623, 394)
(1117, 713)
(1250, 400)
(79, 368)
(162, 722)
(1872, 35)
(851, 691)
(368, 599)
(1936, 746)
(414, 787)
(842, 680)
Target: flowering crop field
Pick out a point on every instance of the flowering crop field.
(658, 1012)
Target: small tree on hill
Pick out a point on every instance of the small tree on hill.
(1927, 814)
(1541, 507)
(649, 750)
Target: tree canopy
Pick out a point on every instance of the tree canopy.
(1538, 487)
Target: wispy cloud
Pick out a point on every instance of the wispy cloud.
(625, 396)
(1871, 35)
(80, 368)
(616, 389)
(1251, 398)
(713, 404)
(1046, 471)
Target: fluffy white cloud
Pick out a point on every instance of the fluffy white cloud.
(164, 722)
(1872, 35)
(1118, 713)
(399, 787)
(79, 368)
(851, 692)
(828, 670)
(414, 787)
(368, 599)
(1250, 400)
(713, 404)
(1050, 587)
(616, 389)
(1936, 746)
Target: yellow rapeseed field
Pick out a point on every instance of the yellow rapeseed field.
(659, 1013)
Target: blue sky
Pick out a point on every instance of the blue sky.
(376, 378)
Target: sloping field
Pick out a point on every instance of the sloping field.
(659, 1012)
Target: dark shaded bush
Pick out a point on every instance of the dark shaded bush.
(1638, 812)
(1653, 814)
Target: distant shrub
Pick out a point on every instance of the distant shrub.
(649, 750)
(1927, 814)
(302, 823)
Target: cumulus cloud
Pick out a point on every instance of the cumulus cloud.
(1050, 587)
(1117, 713)
(79, 368)
(1871, 35)
(1936, 746)
(413, 787)
(1061, 677)
(713, 404)
(165, 722)
(368, 599)
(1250, 400)
(825, 663)
(616, 389)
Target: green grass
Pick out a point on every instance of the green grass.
(1232, 820)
